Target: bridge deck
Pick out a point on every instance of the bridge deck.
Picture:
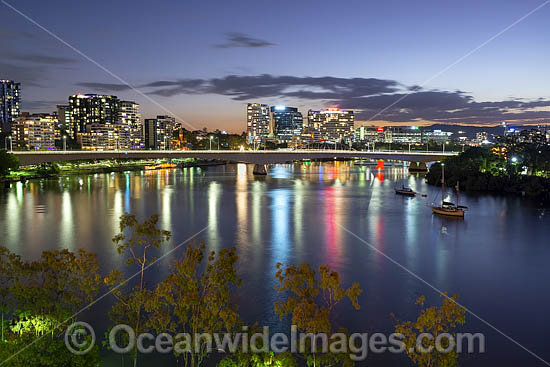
(256, 157)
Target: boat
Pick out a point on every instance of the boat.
(364, 162)
(407, 191)
(447, 208)
(161, 166)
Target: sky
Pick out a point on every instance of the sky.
(394, 62)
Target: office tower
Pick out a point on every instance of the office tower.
(286, 122)
(35, 131)
(10, 104)
(257, 122)
(159, 132)
(88, 109)
(130, 117)
(334, 125)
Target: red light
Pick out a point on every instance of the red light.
(333, 108)
(380, 165)
(380, 128)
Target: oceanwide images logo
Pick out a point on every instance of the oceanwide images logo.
(80, 339)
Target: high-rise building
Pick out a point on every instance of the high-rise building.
(34, 131)
(334, 125)
(257, 122)
(88, 109)
(286, 122)
(130, 117)
(10, 104)
(64, 119)
(158, 132)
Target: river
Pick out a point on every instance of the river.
(336, 213)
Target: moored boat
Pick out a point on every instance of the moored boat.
(407, 191)
(446, 208)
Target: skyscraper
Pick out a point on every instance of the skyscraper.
(257, 122)
(10, 104)
(130, 117)
(158, 132)
(88, 109)
(286, 122)
(334, 125)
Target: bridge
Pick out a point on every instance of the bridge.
(257, 157)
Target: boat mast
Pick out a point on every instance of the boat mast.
(457, 192)
(442, 182)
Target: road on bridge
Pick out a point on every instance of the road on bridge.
(256, 157)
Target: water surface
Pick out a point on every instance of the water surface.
(496, 259)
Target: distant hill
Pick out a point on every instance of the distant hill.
(468, 131)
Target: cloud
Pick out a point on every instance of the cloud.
(104, 87)
(243, 88)
(367, 96)
(43, 59)
(235, 39)
(40, 106)
(27, 75)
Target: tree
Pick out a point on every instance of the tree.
(47, 294)
(434, 321)
(10, 267)
(310, 302)
(197, 295)
(141, 240)
(267, 359)
(8, 162)
(48, 169)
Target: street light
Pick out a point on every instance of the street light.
(64, 143)
(211, 137)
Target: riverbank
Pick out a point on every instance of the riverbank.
(478, 170)
(71, 169)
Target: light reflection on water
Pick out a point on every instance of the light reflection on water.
(294, 215)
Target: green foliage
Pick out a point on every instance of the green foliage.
(39, 299)
(197, 294)
(135, 306)
(8, 162)
(434, 321)
(310, 302)
(48, 169)
(478, 169)
(268, 359)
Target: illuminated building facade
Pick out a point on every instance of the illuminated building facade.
(131, 118)
(159, 132)
(286, 123)
(102, 137)
(436, 136)
(34, 131)
(257, 122)
(10, 104)
(64, 119)
(400, 134)
(334, 125)
(369, 134)
(308, 136)
(92, 109)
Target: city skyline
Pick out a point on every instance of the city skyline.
(205, 76)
